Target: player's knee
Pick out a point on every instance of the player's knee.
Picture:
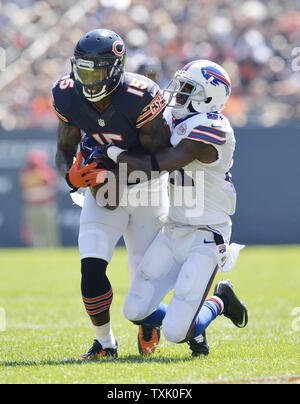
(89, 240)
(137, 305)
(135, 308)
(94, 241)
(173, 332)
(178, 320)
(131, 309)
(93, 269)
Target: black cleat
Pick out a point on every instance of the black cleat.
(234, 309)
(96, 352)
(199, 345)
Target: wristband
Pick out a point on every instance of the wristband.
(74, 189)
(113, 153)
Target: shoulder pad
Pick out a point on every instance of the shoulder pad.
(62, 92)
(141, 98)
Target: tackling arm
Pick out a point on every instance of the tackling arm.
(170, 159)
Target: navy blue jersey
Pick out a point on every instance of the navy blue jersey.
(136, 101)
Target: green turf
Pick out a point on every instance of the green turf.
(47, 327)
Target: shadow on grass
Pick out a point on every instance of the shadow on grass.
(125, 359)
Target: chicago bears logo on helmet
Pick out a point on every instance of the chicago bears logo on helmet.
(217, 77)
(118, 48)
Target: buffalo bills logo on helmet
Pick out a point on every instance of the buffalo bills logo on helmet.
(215, 77)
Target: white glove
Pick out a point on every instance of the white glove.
(228, 258)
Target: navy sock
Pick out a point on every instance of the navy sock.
(209, 311)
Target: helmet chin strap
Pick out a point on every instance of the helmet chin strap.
(100, 97)
(181, 112)
(96, 98)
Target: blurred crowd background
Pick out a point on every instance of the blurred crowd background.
(256, 41)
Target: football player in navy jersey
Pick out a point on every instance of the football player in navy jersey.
(99, 100)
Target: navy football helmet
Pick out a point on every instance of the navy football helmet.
(97, 64)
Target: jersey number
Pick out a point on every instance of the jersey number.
(66, 82)
(107, 138)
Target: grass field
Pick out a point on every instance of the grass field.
(47, 327)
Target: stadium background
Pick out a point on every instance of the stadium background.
(256, 41)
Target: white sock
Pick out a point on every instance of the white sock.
(105, 336)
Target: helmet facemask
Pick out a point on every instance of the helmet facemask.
(97, 78)
(180, 94)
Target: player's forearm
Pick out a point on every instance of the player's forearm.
(136, 162)
(64, 161)
(68, 138)
(168, 160)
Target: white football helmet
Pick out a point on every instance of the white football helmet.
(200, 86)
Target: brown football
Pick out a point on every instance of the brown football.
(109, 194)
(105, 162)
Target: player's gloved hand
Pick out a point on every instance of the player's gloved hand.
(100, 151)
(78, 177)
(96, 155)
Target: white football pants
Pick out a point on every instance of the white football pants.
(100, 228)
(183, 259)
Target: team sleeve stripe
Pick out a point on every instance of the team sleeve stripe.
(147, 114)
(205, 132)
(60, 116)
(206, 138)
(211, 130)
(154, 104)
(150, 117)
(157, 97)
(153, 109)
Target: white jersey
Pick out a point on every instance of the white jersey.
(203, 194)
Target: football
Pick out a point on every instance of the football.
(104, 162)
(107, 193)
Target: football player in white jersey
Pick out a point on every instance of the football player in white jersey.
(195, 241)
